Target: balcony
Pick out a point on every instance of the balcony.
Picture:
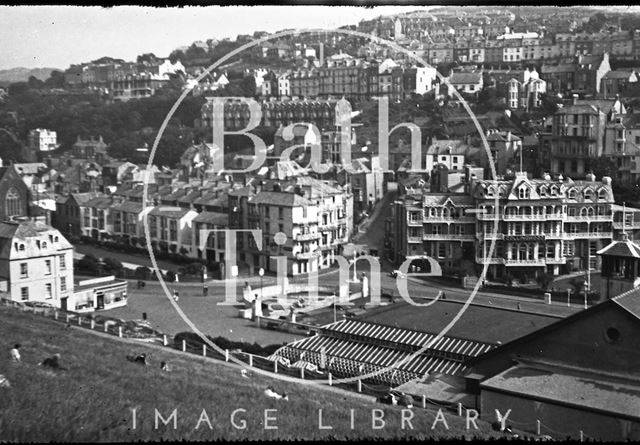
(307, 255)
(481, 260)
(448, 237)
(592, 218)
(595, 235)
(414, 222)
(532, 217)
(414, 239)
(450, 219)
(532, 262)
(489, 236)
(561, 260)
(308, 236)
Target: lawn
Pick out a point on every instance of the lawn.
(92, 399)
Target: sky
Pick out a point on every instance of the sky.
(58, 36)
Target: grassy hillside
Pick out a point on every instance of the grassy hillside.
(93, 398)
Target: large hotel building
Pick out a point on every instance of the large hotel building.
(543, 225)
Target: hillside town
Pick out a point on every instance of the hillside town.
(479, 161)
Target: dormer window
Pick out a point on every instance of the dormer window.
(588, 194)
(602, 194)
(524, 193)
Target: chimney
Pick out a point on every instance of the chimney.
(575, 99)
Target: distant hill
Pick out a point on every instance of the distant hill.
(22, 74)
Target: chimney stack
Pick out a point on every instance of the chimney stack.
(575, 99)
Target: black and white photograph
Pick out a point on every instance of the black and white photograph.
(319, 222)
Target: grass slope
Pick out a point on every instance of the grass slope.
(92, 400)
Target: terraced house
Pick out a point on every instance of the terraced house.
(315, 215)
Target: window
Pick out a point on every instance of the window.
(47, 291)
(12, 202)
(280, 213)
(24, 270)
(47, 267)
(63, 263)
(442, 250)
(24, 293)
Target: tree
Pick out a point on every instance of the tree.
(544, 280)
(170, 276)
(113, 265)
(89, 263)
(602, 166)
(55, 80)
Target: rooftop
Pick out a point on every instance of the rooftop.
(561, 386)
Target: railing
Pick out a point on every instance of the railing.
(414, 239)
(527, 217)
(414, 222)
(482, 235)
(481, 260)
(450, 219)
(533, 262)
(574, 235)
(448, 237)
(307, 255)
(308, 236)
(580, 218)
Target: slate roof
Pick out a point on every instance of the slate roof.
(623, 248)
(583, 390)
(465, 78)
(215, 218)
(169, 211)
(280, 199)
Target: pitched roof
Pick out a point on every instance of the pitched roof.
(623, 247)
(280, 199)
(215, 218)
(570, 387)
(170, 212)
(465, 78)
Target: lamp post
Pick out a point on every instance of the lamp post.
(568, 297)
(261, 273)
(334, 307)
(586, 289)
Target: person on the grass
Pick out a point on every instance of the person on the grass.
(52, 362)
(14, 353)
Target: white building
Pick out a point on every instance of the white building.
(42, 139)
(36, 263)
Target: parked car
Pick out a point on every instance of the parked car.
(397, 273)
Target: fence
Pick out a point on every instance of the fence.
(121, 329)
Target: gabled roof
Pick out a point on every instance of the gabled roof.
(465, 78)
(280, 199)
(169, 212)
(215, 218)
(623, 248)
(628, 301)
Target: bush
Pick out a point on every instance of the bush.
(544, 280)
(170, 276)
(89, 263)
(113, 264)
(143, 273)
